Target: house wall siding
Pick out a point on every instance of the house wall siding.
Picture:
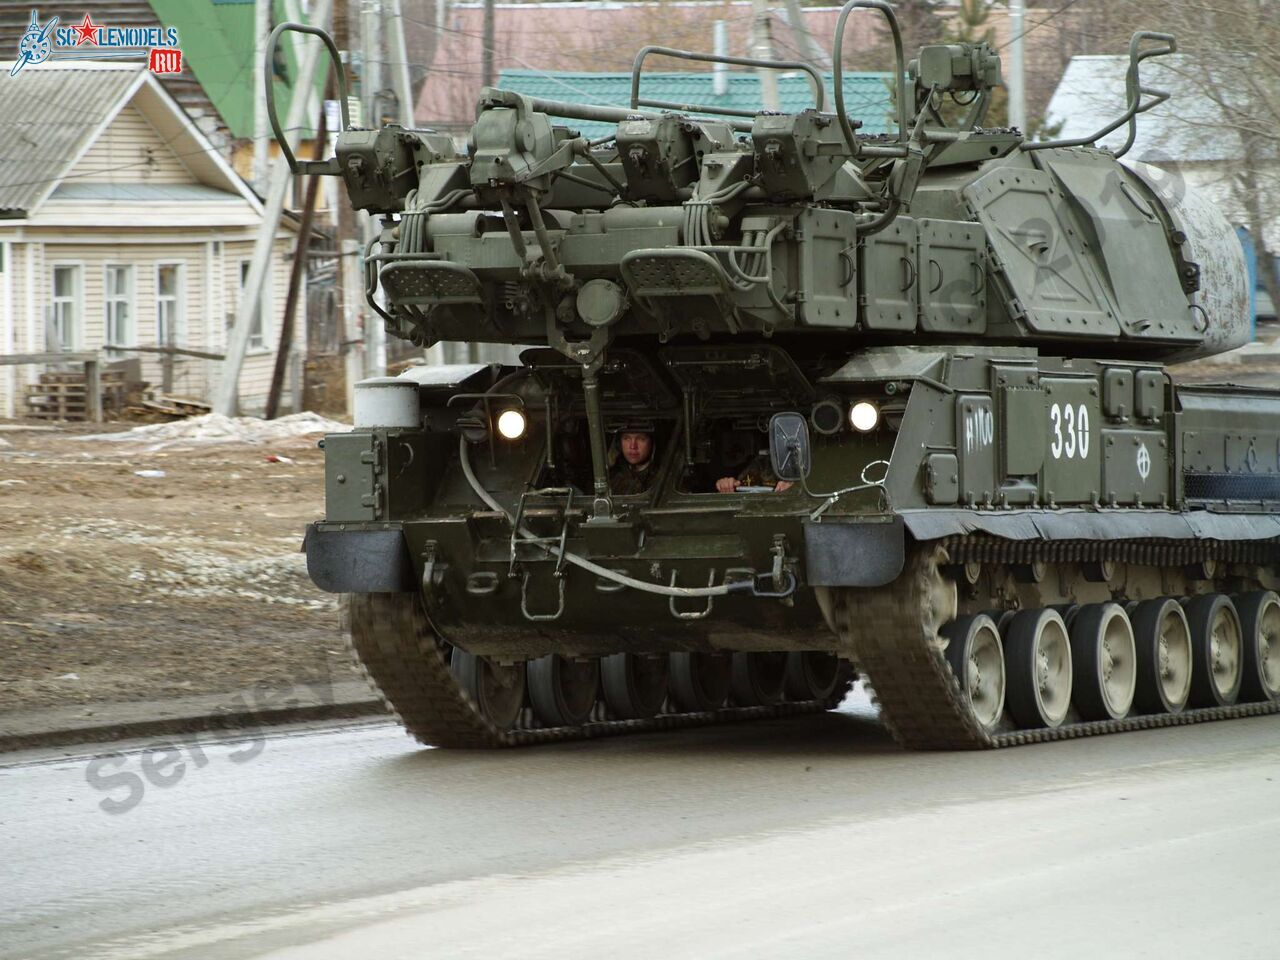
(211, 279)
(190, 376)
(21, 323)
(130, 150)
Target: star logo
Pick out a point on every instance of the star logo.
(88, 31)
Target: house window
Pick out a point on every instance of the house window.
(68, 291)
(118, 299)
(170, 292)
(257, 337)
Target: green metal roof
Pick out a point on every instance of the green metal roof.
(217, 43)
(866, 94)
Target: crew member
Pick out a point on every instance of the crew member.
(633, 471)
(757, 473)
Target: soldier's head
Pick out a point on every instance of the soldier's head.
(636, 446)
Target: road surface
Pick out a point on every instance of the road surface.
(808, 837)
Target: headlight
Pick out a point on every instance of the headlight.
(864, 416)
(827, 417)
(511, 424)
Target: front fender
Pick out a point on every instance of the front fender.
(854, 553)
(358, 561)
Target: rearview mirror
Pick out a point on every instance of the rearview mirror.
(789, 452)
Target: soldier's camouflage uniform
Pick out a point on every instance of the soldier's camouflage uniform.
(626, 480)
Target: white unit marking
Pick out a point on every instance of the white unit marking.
(1070, 431)
(1144, 462)
(979, 429)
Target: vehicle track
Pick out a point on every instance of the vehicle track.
(909, 677)
(407, 662)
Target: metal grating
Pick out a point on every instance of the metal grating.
(1231, 486)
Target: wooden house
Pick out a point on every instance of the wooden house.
(121, 226)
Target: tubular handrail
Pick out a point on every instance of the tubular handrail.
(1134, 92)
(819, 92)
(601, 114)
(305, 166)
(837, 71)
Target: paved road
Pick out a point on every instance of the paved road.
(811, 837)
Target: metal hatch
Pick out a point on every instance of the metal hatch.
(1132, 250)
(1039, 258)
(629, 381)
(731, 379)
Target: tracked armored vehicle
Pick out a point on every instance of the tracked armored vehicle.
(983, 491)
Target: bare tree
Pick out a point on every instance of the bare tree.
(1230, 64)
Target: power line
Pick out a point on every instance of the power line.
(583, 54)
(1040, 23)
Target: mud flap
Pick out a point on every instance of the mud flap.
(358, 561)
(839, 554)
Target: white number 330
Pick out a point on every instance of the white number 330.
(1070, 431)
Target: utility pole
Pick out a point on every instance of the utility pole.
(762, 49)
(400, 64)
(371, 46)
(435, 354)
(1016, 85)
(296, 272)
(486, 59)
(810, 50)
(350, 305)
(293, 11)
(720, 46)
(261, 133)
(375, 336)
(249, 307)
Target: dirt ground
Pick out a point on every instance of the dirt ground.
(116, 586)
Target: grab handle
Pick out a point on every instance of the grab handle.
(330, 166)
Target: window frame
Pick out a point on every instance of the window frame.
(76, 300)
(178, 299)
(257, 341)
(129, 335)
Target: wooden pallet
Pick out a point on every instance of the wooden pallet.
(152, 407)
(61, 395)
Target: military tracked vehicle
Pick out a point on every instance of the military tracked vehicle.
(982, 491)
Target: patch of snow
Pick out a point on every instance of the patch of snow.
(214, 428)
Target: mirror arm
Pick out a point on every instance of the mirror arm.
(833, 496)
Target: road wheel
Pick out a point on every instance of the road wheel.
(496, 690)
(635, 685)
(976, 656)
(700, 681)
(1068, 612)
(1260, 629)
(811, 675)
(1104, 661)
(563, 690)
(1037, 654)
(1162, 641)
(1217, 650)
(757, 679)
